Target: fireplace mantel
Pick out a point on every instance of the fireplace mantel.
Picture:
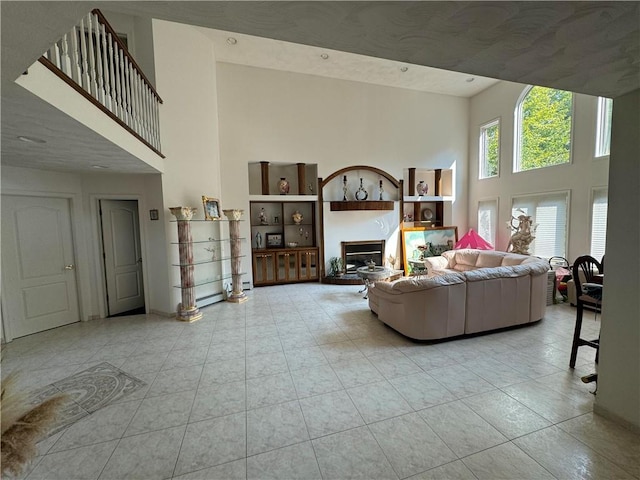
(342, 206)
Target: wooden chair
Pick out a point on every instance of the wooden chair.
(585, 271)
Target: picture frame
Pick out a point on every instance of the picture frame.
(274, 240)
(211, 208)
(153, 214)
(421, 242)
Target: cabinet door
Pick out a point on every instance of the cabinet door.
(308, 265)
(287, 263)
(263, 268)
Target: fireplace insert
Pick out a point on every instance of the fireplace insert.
(358, 253)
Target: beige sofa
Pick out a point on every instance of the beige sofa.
(465, 291)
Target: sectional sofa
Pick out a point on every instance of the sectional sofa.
(464, 292)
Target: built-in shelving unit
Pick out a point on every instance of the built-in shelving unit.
(283, 226)
(374, 192)
(431, 210)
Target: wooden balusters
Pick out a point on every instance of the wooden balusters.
(93, 58)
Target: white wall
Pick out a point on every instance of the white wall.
(580, 176)
(276, 116)
(83, 191)
(189, 126)
(619, 368)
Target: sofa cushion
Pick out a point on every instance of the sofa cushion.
(464, 256)
(516, 259)
(481, 274)
(489, 259)
(414, 284)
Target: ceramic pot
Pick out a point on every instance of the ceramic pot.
(422, 188)
(297, 217)
(283, 186)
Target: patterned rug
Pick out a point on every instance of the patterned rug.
(88, 391)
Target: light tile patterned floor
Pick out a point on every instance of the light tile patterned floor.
(303, 382)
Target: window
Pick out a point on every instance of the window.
(599, 204)
(489, 152)
(543, 121)
(603, 126)
(488, 220)
(549, 215)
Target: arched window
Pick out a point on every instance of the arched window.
(543, 119)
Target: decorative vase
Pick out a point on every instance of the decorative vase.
(297, 217)
(380, 191)
(283, 186)
(422, 188)
(361, 194)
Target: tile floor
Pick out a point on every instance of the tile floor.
(303, 382)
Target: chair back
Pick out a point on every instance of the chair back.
(589, 267)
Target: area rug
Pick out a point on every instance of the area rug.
(88, 391)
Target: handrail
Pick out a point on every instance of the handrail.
(96, 63)
(109, 28)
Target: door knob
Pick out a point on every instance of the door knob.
(69, 267)
(140, 260)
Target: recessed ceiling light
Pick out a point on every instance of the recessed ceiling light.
(470, 79)
(232, 40)
(99, 167)
(324, 56)
(404, 69)
(31, 139)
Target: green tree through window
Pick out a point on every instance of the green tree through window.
(545, 128)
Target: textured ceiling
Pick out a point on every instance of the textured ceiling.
(586, 47)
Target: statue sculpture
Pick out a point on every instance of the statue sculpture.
(523, 234)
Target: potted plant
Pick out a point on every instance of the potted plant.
(335, 267)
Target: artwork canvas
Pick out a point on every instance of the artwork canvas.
(211, 208)
(421, 242)
(274, 240)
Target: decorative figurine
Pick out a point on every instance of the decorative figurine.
(380, 191)
(344, 188)
(523, 236)
(263, 217)
(258, 240)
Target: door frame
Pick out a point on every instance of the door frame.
(79, 253)
(96, 241)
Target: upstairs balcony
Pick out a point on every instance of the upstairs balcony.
(95, 62)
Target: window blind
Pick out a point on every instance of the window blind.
(549, 213)
(487, 220)
(599, 222)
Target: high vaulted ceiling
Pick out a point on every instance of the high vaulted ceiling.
(586, 47)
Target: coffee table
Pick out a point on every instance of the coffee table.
(370, 276)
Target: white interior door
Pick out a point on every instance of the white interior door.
(122, 255)
(38, 267)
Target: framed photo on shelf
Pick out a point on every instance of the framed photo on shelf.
(274, 240)
(211, 208)
(421, 242)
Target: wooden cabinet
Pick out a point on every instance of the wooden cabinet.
(264, 268)
(283, 239)
(308, 264)
(287, 265)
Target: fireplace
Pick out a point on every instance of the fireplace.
(357, 254)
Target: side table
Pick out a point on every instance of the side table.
(370, 276)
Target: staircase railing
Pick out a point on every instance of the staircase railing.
(96, 63)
